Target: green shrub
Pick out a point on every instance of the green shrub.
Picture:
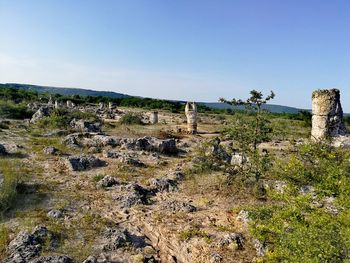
(8, 189)
(4, 239)
(131, 119)
(292, 227)
(60, 118)
(11, 110)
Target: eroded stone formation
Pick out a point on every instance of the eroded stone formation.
(153, 118)
(191, 114)
(327, 115)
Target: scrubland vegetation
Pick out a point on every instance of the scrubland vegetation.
(295, 192)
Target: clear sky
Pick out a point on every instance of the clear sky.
(180, 49)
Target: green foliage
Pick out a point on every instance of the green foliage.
(60, 118)
(4, 239)
(10, 181)
(194, 232)
(292, 226)
(97, 178)
(248, 133)
(131, 119)
(256, 130)
(12, 110)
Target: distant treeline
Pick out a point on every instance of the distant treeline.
(21, 96)
(25, 96)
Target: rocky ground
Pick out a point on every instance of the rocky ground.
(123, 194)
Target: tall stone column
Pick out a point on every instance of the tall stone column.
(327, 115)
(191, 114)
(153, 118)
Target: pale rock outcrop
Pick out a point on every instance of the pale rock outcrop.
(84, 162)
(153, 118)
(327, 115)
(40, 113)
(191, 114)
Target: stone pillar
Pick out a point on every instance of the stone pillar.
(111, 106)
(57, 104)
(327, 115)
(50, 103)
(153, 118)
(70, 104)
(191, 114)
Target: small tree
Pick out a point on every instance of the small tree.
(259, 130)
(249, 132)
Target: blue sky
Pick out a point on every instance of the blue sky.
(180, 49)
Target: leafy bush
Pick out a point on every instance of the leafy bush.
(11, 110)
(60, 118)
(131, 119)
(8, 188)
(294, 227)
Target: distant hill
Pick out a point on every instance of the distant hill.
(111, 94)
(269, 107)
(65, 91)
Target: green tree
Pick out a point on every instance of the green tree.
(248, 132)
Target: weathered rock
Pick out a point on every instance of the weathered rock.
(238, 159)
(71, 140)
(25, 246)
(243, 217)
(85, 126)
(104, 140)
(276, 185)
(217, 151)
(133, 194)
(40, 113)
(50, 150)
(84, 162)
(259, 247)
(327, 115)
(131, 161)
(107, 181)
(3, 150)
(163, 185)
(216, 258)
(90, 259)
(191, 114)
(176, 206)
(55, 213)
(53, 259)
(235, 239)
(167, 146)
(110, 154)
(153, 118)
(115, 238)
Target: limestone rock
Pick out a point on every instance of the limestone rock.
(177, 206)
(55, 213)
(40, 113)
(107, 181)
(53, 259)
(84, 162)
(85, 126)
(26, 246)
(50, 150)
(163, 185)
(327, 114)
(90, 259)
(235, 239)
(191, 115)
(133, 194)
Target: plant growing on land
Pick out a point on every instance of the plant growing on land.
(131, 119)
(249, 132)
